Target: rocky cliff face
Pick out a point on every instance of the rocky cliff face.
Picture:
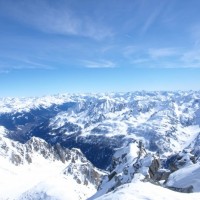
(133, 160)
(77, 164)
(20, 154)
(82, 170)
(70, 167)
(127, 162)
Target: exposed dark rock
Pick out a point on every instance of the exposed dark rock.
(110, 176)
(16, 159)
(82, 170)
(153, 169)
(177, 161)
(161, 175)
(188, 189)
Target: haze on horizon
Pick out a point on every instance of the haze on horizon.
(49, 47)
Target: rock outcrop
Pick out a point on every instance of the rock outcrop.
(128, 161)
(19, 153)
(134, 160)
(77, 164)
(82, 170)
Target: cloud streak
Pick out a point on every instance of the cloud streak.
(99, 64)
(166, 58)
(56, 20)
(151, 19)
(157, 53)
(20, 63)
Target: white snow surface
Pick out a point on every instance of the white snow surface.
(185, 177)
(43, 178)
(138, 190)
(9, 104)
(127, 181)
(166, 120)
(3, 131)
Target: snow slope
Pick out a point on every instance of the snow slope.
(138, 190)
(135, 169)
(42, 180)
(58, 187)
(167, 124)
(17, 179)
(37, 170)
(186, 177)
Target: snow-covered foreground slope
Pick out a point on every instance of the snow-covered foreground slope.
(58, 187)
(186, 177)
(138, 190)
(136, 173)
(153, 136)
(41, 181)
(15, 180)
(37, 170)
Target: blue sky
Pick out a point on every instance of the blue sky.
(49, 46)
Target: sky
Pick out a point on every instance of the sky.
(75, 46)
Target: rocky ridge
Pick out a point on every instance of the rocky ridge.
(56, 165)
(136, 161)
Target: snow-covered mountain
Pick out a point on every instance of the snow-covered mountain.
(37, 170)
(142, 139)
(138, 190)
(134, 168)
(99, 123)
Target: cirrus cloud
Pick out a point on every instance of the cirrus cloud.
(99, 64)
(54, 18)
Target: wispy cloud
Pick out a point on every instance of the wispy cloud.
(107, 48)
(162, 52)
(151, 19)
(44, 17)
(19, 63)
(163, 58)
(195, 35)
(191, 58)
(145, 15)
(130, 50)
(140, 60)
(4, 71)
(99, 64)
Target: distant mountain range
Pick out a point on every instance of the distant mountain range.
(52, 129)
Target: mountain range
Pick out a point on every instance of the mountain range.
(71, 146)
